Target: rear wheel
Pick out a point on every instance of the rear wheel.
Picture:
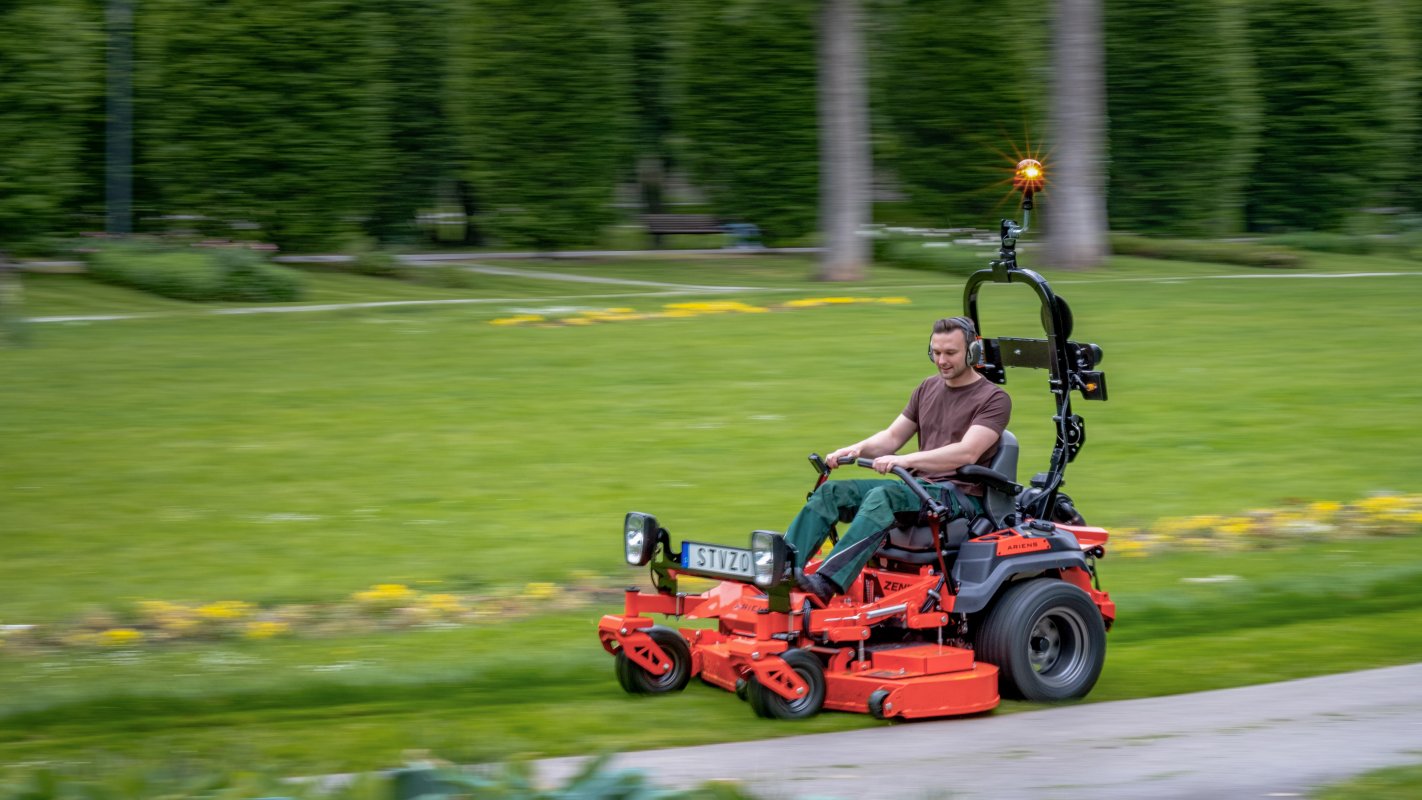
(1047, 640)
(636, 680)
(767, 703)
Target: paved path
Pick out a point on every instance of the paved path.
(667, 290)
(1275, 740)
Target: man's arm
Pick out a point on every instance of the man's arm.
(884, 443)
(946, 458)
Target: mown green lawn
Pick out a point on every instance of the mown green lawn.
(298, 458)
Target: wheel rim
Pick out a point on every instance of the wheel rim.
(669, 678)
(1056, 646)
(799, 704)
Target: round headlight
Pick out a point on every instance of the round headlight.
(639, 532)
(768, 556)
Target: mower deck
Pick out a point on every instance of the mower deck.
(920, 680)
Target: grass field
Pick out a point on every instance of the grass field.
(298, 458)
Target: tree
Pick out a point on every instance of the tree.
(541, 100)
(51, 76)
(267, 114)
(845, 166)
(1183, 116)
(649, 29)
(422, 154)
(1076, 210)
(958, 101)
(1336, 110)
(746, 109)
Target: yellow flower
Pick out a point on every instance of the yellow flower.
(174, 618)
(895, 301)
(265, 629)
(385, 594)
(225, 610)
(1324, 508)
(715, 307)
(443, 604)
(1129, 549)
(1382, 504)
(516, 320)
(1236, 526)
(118, 637)
(540, 591)
(809, 303)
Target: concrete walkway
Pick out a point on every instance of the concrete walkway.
(1274, 740)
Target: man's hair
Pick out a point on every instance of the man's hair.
(950, 324)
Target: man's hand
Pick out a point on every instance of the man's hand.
(883, 464)
(844, 452)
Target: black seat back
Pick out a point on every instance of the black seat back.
(997, 504)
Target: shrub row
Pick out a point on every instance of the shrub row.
(1248, 254)
(934, 254)
(202, 276)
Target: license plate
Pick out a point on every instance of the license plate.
(716, 559)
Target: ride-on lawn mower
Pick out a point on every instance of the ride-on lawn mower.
(948, 614)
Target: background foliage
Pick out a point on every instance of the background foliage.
(49, 54)
(544, 119)
(263, 114)
(746, 111)
(958, 103)
(1335, 111)
(541, 124)
(1180, 95)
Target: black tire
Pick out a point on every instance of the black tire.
(1047, 640)
(770, 705)
(636, 680)
(876, 703)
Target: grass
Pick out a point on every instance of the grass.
(1393, 783)
(302, 457)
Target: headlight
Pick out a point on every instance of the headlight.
(639, 533)
(768, 556)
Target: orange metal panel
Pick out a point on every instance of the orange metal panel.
(949, 694)
(923, 659)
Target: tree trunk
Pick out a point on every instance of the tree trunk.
(844, 142)
(1076, 200)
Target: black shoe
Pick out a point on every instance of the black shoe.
(818, 585)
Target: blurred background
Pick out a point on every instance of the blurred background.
(318, 124)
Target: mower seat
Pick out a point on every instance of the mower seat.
(910, 541)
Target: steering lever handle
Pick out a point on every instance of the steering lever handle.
(909, 481)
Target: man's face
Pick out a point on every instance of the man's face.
(950, 354)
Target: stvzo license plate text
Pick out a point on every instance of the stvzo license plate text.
(717, 559)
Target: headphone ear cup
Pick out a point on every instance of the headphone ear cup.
(930, 353)
(975, 352)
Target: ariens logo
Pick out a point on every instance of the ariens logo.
(1022, 546)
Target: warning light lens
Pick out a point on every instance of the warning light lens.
(1029, 177)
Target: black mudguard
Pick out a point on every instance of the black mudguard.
(979, 571)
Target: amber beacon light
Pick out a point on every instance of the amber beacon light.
(1029, 177)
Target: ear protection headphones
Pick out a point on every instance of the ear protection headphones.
(970, 335)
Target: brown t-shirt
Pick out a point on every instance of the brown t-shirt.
(944, 414)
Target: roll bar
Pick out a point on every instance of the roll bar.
(1071, 364)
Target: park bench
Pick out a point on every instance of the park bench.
(740, 234)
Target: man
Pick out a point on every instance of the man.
(958, 415)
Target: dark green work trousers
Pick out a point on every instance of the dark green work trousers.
(871, 504)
